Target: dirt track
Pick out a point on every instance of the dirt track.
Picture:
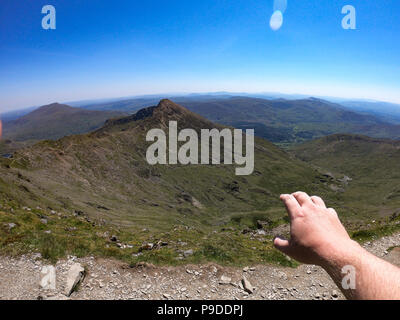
(108, 279)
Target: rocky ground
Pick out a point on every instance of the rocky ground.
(30, 278)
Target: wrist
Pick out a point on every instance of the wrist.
(339, 254)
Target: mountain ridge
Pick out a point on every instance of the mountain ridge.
(107, 169)
(281, 121)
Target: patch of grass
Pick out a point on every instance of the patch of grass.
(214, 253)
(250, 220)
(51, 248)
(375, 233)
(276, 257)
(65, 234)
(392, 248)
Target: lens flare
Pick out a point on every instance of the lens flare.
(276, 20)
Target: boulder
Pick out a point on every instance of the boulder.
(225, 280)
(11, 226)
(247, 286)
(48, 278)
(75, 275)
(188, 253)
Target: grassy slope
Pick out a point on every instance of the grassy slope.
(103, 176)
(373, 165)
(107, 169)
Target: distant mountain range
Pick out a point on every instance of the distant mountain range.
(388, 112)
(53, 121)
(385, 109)
(292, 121)
(282, 121)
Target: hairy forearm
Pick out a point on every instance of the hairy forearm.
(375, 278)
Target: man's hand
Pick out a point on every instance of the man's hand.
(318, 237)
(316, 231)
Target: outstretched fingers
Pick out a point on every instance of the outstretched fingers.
(291, 204)
(302, 198)
(333, 212)
(318, 201)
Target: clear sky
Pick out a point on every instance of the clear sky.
(104, 48)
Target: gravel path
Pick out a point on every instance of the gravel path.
(109, 279)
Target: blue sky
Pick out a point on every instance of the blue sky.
(104, 48)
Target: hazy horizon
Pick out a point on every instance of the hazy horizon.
(274, 95)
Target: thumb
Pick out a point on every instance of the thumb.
(282, 245)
